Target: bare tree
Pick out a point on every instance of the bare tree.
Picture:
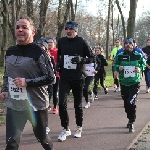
(131, 19)
(14, 13)
(62, 18)
(43, 14)
(5, 28)
(122, 18)
(73, 10)
(107, 32)
(30, 9)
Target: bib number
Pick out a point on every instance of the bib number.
(67, 62)
(129, 71)
(18, 93)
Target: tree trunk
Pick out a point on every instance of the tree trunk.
(131, 19)
(122, 18)
(13, 21)
(73, 10)
(107, 32)
(61, 21)
(5, 28)
(43, 12)
(30, 8)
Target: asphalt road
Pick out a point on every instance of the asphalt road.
(104, 125)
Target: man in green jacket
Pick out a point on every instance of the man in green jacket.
(129, 64)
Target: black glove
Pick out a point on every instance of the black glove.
(76, 60)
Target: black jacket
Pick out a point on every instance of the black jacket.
(74, 47)
(103, 62)
(146, 50)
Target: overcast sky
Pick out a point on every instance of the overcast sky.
(143, 5)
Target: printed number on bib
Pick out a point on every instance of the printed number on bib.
(67, 62)
(129, 71)
(18, 93)
(89, 69)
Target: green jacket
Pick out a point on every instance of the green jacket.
(114, 51)
(134, 59)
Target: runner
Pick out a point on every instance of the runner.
(91, 70)
(146, 50)
(112, 56)
(27, 73)
(129, 64)
(101, 73)
(72, 52)
(53, 52)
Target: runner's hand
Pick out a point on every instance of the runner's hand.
(137, 69)
(121, 68)
(76, 60)
(20, 82)
(3, 95)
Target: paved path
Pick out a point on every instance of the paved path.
(104, 125)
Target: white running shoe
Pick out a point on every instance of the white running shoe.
(147, 89)
(87, 105)
(117, 89)
(92, 97)
(95, 97)
(78, 131)
(47, 130)
(64, 133)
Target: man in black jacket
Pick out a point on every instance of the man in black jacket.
(146, 50)
(72, 52)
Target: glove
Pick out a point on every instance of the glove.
(76, 60)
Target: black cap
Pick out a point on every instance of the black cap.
(72, 25)
(43, 42)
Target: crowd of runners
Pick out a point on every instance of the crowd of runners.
(37, 72)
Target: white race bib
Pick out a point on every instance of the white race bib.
(18, 93)
(67, 62)
(129, 71)
(89, 69)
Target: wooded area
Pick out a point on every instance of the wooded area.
(50, 17)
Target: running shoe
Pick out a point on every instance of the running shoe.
(55, 110)
(87, 105)
(92, 98)
(64, 133)
(78, 132)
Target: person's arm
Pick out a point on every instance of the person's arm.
(104, 61)
(142, 63)
(46, 68)
(53, 63)
(91, 57)
(116, 64)
(5, 82)
(58, 66)
(112, 55)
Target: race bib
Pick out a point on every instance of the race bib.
(18, 93)
(67, 62)
(129, 71)
(89, 69)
